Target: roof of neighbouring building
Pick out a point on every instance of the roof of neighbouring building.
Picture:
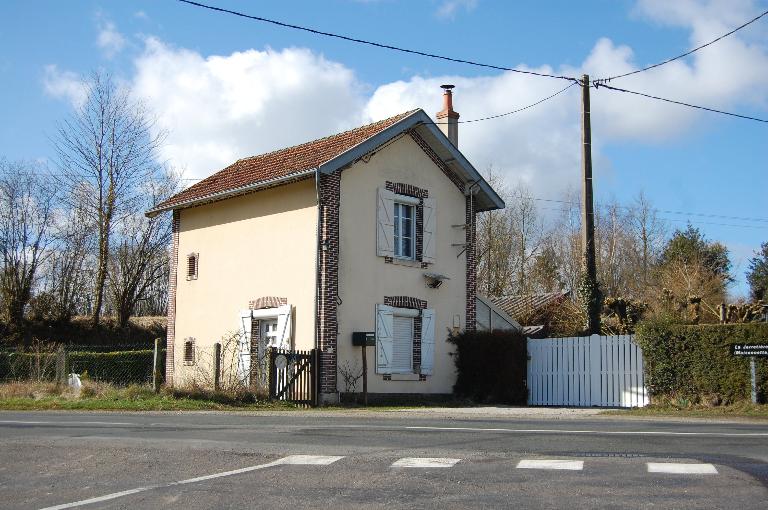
(520, 305)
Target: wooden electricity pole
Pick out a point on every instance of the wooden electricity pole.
(588, 290)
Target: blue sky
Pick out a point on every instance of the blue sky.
(224, 87)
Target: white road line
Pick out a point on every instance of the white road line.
(425, 462)
(301, 460)
(311, 460)
(60, 423)
(570, 465)
(676, 468)
(595, 432)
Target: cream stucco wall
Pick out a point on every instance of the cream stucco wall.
(260, 244)
(364, 278)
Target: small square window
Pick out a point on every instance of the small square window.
(189, 351)
(192, 266)
(404, 230)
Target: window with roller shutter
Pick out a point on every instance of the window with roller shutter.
(395, 339)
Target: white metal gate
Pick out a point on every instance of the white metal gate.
(586, 371)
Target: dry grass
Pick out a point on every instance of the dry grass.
(102, 396)
(736, 410)
(35, 390)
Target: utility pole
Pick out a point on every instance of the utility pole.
(588, 289)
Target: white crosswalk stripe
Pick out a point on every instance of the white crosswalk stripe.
(677, 468)
(425, 462)
(310, 460)
(569, 465)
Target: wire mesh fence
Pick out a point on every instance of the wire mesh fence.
(120, 366)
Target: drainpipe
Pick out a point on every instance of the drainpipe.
(317, 260)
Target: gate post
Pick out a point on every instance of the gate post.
(272, 374)
(314, 376)
(595, 368)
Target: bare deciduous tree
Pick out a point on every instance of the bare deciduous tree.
(527, 233)
(26, 202)
(139, 259)
(494, 245)
(107, 149)
(69, 270)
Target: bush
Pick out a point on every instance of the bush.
(491, 366)
(693, 364)
(139, 333)
(118, 367)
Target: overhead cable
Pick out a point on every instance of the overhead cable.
(372, 43)
(683, 54)
(514, 111)
(664, 211)
(617, 89)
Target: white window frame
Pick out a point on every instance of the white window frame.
(399, 204)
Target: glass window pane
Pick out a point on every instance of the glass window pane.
(407, 247)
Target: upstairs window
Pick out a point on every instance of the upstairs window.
(192, 266)
(404, 230)
(399, 219)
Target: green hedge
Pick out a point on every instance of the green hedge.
(694, 363)
(117, 367)
(491, 366)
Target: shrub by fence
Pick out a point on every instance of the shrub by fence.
(491, 366)
(693, 363)
(122, 367)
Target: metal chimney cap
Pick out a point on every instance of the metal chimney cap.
(447, 87)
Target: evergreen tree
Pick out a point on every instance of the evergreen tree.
(757, 276)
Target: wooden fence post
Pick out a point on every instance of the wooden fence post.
(156, 367)
(216, 366)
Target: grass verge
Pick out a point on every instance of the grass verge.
(737, 410)
(33, 396)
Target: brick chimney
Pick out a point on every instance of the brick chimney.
(447, 119)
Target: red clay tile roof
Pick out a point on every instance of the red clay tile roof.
(282, 163)
(518, 306)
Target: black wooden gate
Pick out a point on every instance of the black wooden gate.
(293, 376)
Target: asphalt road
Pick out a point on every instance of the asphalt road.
(327, 460)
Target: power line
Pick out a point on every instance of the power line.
(665, 211)
(514, 111)
(694, 222)
(603, 85)
(371, 43)
(684, 54)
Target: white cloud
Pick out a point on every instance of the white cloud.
(64, 85)
(140, 15)
(449, 8)
(217, 109)
(110, 40)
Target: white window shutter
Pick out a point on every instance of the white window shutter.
(384, 339)
(244, 359)
(429, 227)
(284, 327)
(427, 341)
(385, 223)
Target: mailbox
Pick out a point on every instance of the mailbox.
(363, 338)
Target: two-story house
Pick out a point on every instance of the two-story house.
(372, 229)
